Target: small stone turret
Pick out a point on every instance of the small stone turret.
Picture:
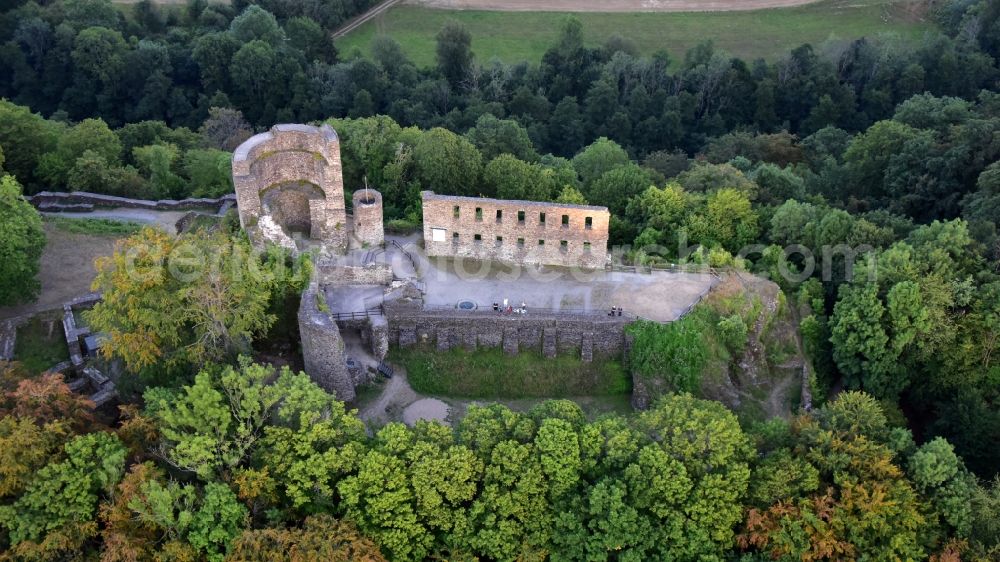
(368, 228)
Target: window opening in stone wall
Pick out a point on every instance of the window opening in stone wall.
(541, 218)
(520, 242)
(479, 213)
(478, 237)
(563, 245)
(499, 240)
(586, 247)
(588, 223)
(499, 215)
(565, 221)
(454, 237)
(541, 242)
(457, 211)
(520, 217)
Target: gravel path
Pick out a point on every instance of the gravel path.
(609, 5)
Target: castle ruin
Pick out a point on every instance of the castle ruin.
(290, 187)
(366, 294)
(518, 232)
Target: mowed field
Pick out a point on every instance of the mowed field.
(514, 36)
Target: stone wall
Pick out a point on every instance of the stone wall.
(337, 274)
(82, 201)
(367, 215)
(300, 158)
(588, 335)
(323, 348)
(521, 232)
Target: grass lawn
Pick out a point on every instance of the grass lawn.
(98, 227)
(517, 36)
(489, 373)
(40, 343)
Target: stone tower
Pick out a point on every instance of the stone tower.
(368, 226)
(290, 187)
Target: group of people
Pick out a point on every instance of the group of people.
(615, 311)
(507, 308)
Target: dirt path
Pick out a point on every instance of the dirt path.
(609, 5)
(357, 22)
(397, 394)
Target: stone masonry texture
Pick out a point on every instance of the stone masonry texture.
(323, 348)
(368, 227)
(519, 232)
(292, 176)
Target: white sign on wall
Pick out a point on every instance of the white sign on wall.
(437, 234)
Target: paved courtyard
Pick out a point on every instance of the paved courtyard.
(661, 296)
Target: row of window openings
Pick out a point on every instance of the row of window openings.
(588, 222)
(563, 244)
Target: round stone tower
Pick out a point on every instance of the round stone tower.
(368, 217)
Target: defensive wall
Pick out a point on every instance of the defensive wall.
(549, 333)
(520, 232)
(82, 201)
(322, 346)
(289, 182)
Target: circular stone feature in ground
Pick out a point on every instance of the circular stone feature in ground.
(466, 305)
(425, 409)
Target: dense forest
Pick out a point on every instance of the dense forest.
(889, 149)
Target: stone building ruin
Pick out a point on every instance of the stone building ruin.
(290, 187)
(367, 217)
(366, 294)
(519, 232)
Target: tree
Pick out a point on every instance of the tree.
(88, 135)
(616, 187)
(184, 300)
(565, 129)
(321, 537)
(447, 163)
(570, 195)
(215, 424)
(225, 128)
(25, 137)
(509, 178)
(728, 221)
(210, 172)
(195, 519)
(26, 447)
(63, 496)
(157, 162)
(696, 500)
(598, 159)
(257, 24)
(494, 137)
(454, 53)
(47, 399)
(22, 242)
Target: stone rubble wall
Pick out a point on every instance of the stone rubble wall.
(289, 154)
(323, 348)
(82, 201)
(517, 233)
(551, 334)
(371, 274)
(367, 217)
